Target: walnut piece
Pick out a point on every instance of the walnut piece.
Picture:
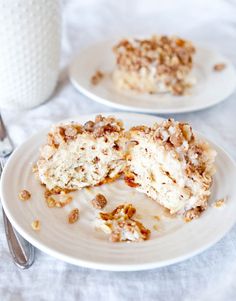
(99, 202)
(73, 216)
(219, 203)
(219, 67)
(24, 195)
(36, 225)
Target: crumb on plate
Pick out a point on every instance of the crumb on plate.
(219, 203)
(99, 202)
(120, 226)
(73, 216)
(24, 195)
(156, 227)
(97, 77)
(219, 67)
(36, 225)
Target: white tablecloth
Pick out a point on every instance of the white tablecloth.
(209, 276)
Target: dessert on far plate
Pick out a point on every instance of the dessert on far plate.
(78, 156)
(170, 164)
(155, 65)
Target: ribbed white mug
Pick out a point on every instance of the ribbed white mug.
(29, 51)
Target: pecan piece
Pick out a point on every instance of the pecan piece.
(99, 201)
(73, 216)
(219, 67)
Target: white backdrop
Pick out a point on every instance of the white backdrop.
(209, 276)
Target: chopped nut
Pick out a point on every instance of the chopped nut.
(219, 203)
(24, 195)
(219, 67)
(121, 227)
(34, 168)
(99, 201)
(130, 180)
(157, 217)
(97, 77)
(64, 198)
(176, 140)
(115, 237)
(156, 227)
(36, 225)
(51, 202)
(70, 131)
(73, 216)
(89, 126)
(193, 213)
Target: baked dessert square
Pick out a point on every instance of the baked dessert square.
(78, 156)
(155, 65)
(170, 164)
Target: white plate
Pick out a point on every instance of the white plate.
(82, 245)
(211, 88)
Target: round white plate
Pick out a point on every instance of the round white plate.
(211, 88)
(82, 245)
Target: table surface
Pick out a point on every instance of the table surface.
(209, 275)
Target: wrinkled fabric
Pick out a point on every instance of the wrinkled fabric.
(208, 276)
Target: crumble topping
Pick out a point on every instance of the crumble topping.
(24, 195)
(219, 67)
(158, 64)
(36, 225)
(120, 226)
(73, 216)
(193, 213)
(99, 202)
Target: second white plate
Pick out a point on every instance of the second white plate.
(211, 88)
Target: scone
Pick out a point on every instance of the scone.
(155, 65)
(170, 164)
(77, 156)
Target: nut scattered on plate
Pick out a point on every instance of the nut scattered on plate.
(97, 77)
(120, 226)
(36, 225)
(156, 217)
(219, 67)
(24, 195)
(63, 199)
(219, 203)
(156, 227)
(73, 216)
(99, 202)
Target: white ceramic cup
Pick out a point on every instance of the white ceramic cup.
(29, 51)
